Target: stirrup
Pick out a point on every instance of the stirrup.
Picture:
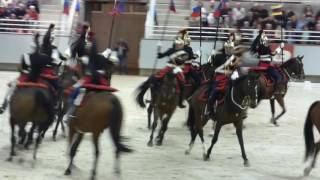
(2, 110)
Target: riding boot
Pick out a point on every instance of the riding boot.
(73, 107)
(278, 88)
(8, 95)
(181, 98)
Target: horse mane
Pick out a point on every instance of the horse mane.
(238, 80)
(290, 61)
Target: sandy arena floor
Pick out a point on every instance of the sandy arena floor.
(275, 153)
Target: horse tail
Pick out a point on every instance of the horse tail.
(141, 90)
(43, 101)
(115, 125)
(191, 118)
(308, 133)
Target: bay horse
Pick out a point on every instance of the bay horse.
(99, 111)
(241, 94)
(165, 101)
(30, 104)
(293, 66)
(70, 76)
(312, 147)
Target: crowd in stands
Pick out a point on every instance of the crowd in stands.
(261, 16)
(27, 10)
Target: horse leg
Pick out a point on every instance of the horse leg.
(214, 140)
(150, 109)
(96, 145)
(13, 140)
(272, 110)
(59, 119)
(76, 139)
(154, 126)
(37, 144)
(204, 148)
(240, 139)
(30, 137)
(163, 129)
(308, 169)
(280, 101)
(22, 134)
(194, 134)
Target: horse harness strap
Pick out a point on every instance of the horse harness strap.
(234, 102)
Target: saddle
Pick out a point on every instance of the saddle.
(48, 74)
(32, 85)
(204, 95)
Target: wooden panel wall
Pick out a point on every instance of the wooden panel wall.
(129, 27)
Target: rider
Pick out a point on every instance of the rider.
(177, 55)
(32, 65)
(94, 74)
(261, 46)
(188, 68)
(225, 68)
(48, 48)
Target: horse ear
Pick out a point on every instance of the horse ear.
(301, 57)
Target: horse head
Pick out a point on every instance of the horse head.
(246, 90)
(294, 66)
(169, 85)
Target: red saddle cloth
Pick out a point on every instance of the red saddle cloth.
(48, 73)
(268, 80)
(204, 95)
(32, 85)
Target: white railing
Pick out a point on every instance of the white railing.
(209, 33)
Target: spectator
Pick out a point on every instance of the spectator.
(307, 11)
(32, 13)
(3, 12)
(238, 15)
(5, 3)
(317, 16)
(122, 49)
(34, 3)
(20, 11)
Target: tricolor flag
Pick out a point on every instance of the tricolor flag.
(196, 11)
(78, 6)
(172, 7)
(66, 7)
(277, 10)
(118, 8)
(121, 6)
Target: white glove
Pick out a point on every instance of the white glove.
(67, 53)
(85, 60)
(235, 75)
(106, 53)
(213, 52)
(282, 45)
(177, 70)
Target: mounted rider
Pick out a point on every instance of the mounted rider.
(48, 48)
(261, 46)
(226, 62)
(190, 65)
(94, 68)
(31, 67)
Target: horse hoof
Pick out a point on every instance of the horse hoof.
(9, 159)
(307, 171)
(150, 144)
(246, 163)
(159, 143)
(67, 172)
(206, 157)
(187, 152)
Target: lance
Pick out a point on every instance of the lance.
(166, 21)
(218, 24)
(113, 13)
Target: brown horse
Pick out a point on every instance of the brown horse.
(68, 78)
(291, 67)
(99, 111)
(33, 105)
(240, 94)
(165, 101)
(312, 147)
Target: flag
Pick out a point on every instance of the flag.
(172, 7)
(121, 6)
(66, 7)
(277, 10)
(219, 7)
(77, 6)
(196, 11)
